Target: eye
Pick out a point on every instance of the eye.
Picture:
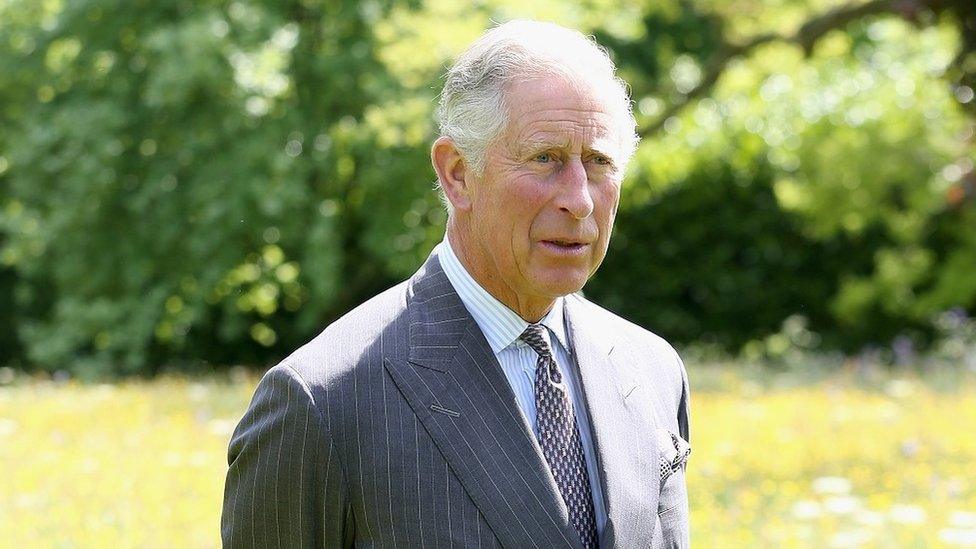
(602, 160)
(544, 157)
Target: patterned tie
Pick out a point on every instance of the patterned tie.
(560, 439)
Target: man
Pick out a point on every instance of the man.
(483, 403)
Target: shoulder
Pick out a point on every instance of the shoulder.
(621, 330)
(650, 355)
(360, 337)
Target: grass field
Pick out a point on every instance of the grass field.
(827, 463)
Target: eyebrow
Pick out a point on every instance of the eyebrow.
(544, 144)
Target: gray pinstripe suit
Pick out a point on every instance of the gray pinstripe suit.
(395, 427)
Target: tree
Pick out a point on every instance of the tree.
(857, 153)
(215, 181)
(187, 180)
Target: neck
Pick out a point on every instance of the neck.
(530, 308)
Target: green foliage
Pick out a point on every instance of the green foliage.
(718, 260)
(189, 180)
(217, 180)
(868, 177)
(9, 344)
(682, 34)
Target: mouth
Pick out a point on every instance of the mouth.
(565, 246)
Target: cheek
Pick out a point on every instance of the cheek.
(524, 209)
(533, 193)
(607, 205)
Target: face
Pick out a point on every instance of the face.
(541, 214)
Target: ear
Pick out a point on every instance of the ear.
(453, 172)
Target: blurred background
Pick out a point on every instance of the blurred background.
(189, 190)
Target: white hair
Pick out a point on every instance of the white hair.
(472, 110)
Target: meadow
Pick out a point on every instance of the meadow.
(838, 461)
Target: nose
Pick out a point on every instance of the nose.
(574, 190)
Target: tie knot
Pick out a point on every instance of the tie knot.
(533, 337)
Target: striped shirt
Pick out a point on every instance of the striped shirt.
(502, 328)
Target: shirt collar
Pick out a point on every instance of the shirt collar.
(501, 325)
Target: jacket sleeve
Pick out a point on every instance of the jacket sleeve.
(285, 485)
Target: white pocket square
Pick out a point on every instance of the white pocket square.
(674, 452)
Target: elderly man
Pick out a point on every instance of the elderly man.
(484, 403)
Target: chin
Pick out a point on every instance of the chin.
(563, 285)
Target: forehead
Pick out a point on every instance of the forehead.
(556, 111)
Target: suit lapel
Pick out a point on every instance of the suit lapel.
(625, 442)
(458, 391)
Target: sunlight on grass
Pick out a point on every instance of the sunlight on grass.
(833, 465)
(132, 465)
(828, 464)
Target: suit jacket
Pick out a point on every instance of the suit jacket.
(396, 427)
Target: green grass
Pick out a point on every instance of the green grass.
(830, 460)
